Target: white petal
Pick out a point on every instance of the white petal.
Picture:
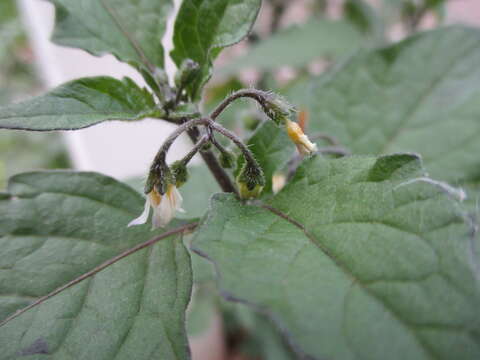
(177, 200)
(142, 219)
(163, 213)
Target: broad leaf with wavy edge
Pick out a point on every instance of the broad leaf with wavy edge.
(204, 27)
(132, 30)
(421, 95)
(356, 258)
(56, 226)
(78, 104)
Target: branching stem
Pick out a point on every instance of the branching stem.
(219, 173)
(196, 148)
(236, 140)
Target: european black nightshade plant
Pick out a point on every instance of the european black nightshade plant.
(357, 257)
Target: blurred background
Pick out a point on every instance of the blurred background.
(291, 41)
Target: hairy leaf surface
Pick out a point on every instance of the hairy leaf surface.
(420, 95)
(204, 27)
(131, 30)
(79, 104)
(356, 258)
(56, 226)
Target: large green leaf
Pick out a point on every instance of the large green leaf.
(421, 95)
(204, 27)
(356, 258)
(79, 104)
(56, 226)
(299, 45)
(132, 30)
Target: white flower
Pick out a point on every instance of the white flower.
(164, 207)
(303, 143)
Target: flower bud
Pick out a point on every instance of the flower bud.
(180, 172)
(207, 146)
(227, 159)
(187, 72)
(160, 76)
(250, 181)
(295, 132)
(278, 109)
(246, 193)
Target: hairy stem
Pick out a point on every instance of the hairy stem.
(258, 95)
(162, 152)
(196, 148)
(178, 230)
(218, 172)
(237, 141)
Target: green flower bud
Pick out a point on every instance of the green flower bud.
(227, 159)
(180, 172)
(187, 72)
(207, 146)
(278, 109)
(250, 181)
(160, 76)
(246, 193)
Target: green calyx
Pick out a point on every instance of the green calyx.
(187, 73)
(250, 181)
(180, 173)
(227, 159)
(277, 108)
(159, 177)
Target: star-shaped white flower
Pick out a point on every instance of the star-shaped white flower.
(164, 207)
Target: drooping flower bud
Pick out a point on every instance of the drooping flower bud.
(187, 72)
(295, 132)
(227, 159)
(250, 181)
(278, 109)
(180, 172)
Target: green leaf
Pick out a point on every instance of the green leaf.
(204, 27)
(56, 226)
(355, 258)
(364, 17)
(79, 104)
(297, 46)
(472, 202)
(420, 95)
(130, 30)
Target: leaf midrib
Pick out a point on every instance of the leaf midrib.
(136, 47)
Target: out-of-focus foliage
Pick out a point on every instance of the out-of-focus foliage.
(21, 151)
